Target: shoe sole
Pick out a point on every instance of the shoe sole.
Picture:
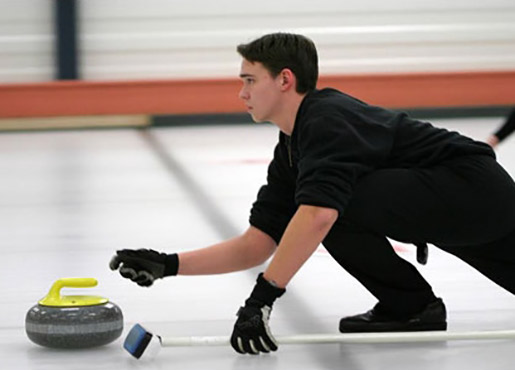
(402, 327)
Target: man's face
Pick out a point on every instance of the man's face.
(260, 91)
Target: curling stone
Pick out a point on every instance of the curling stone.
(73, 321)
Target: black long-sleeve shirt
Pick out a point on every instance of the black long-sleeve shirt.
(336, 140)
(507, 127)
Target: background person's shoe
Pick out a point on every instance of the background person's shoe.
(432, 317)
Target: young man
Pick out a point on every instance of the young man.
(349, 175)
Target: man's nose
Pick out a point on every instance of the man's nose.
(244, 95)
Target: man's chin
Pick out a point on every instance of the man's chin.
(256, 119)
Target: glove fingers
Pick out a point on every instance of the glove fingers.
(236, 344)
(128, 272)
(253, 349)
(244, 346)
(257, 345)
(263, 346)
(115, 262)
(144, 278)
(268, 342)
(248, 346)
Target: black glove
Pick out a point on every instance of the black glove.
(143, 266)
(251, 333)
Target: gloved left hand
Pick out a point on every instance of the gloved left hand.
(251, 333)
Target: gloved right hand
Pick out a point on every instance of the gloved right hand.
(251, 333)
(143, 266)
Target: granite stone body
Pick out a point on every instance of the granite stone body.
(74, 327)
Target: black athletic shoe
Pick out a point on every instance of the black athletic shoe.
(433, 317)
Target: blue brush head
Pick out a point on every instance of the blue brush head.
(137, 340)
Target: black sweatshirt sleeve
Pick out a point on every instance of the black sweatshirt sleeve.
(275, 206)
(507, 128)
(335, 151)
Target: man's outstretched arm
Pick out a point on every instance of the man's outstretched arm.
(144, 266)
(250, 249)
(304, 233)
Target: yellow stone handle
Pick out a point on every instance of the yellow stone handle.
(55, 290)
(54, 298)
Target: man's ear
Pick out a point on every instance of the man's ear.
(287, 79)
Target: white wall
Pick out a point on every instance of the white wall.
(138, 39)
(26, 40)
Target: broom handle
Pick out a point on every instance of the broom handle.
(427, 336)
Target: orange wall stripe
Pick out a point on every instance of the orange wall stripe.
(211, 96)
(430, 90)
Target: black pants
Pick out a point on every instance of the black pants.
(465, 206)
